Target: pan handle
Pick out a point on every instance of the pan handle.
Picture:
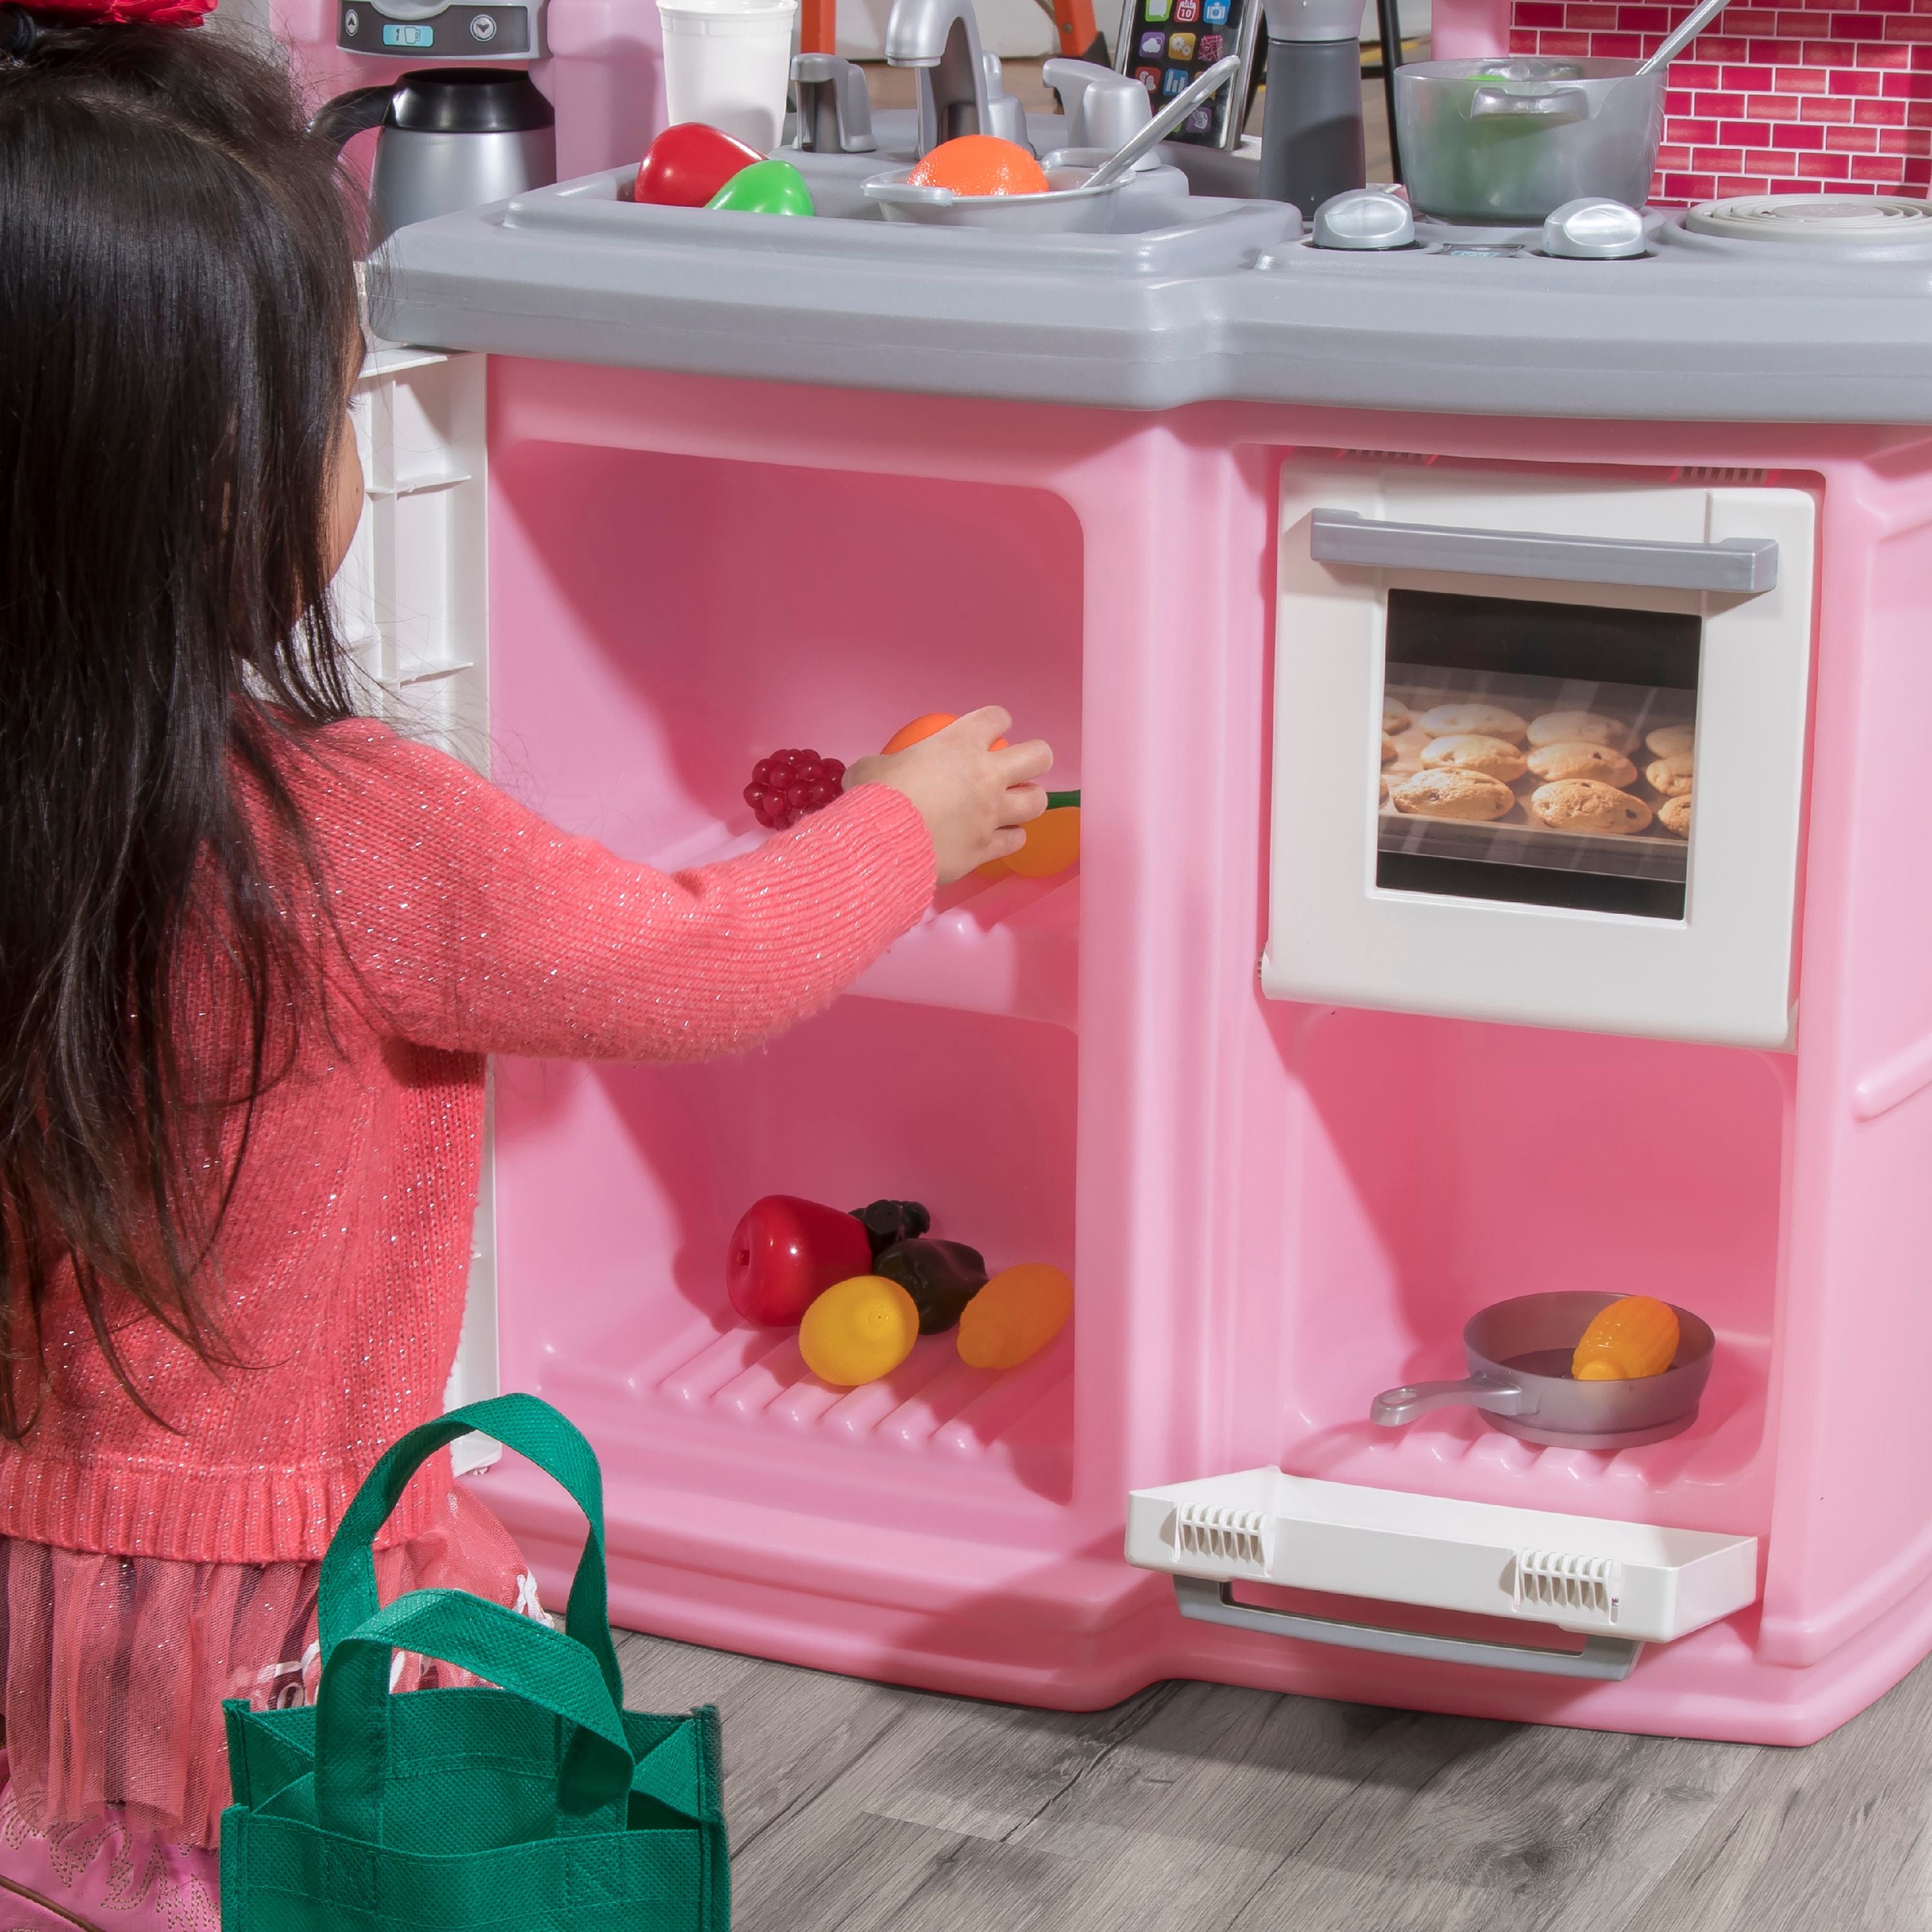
(1395, 1406)
(1552, 106)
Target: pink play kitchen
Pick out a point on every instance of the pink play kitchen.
(1487, 642)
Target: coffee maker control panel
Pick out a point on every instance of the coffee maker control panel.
(448, 33)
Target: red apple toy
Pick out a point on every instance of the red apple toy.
(786, 1252)
(689, 163)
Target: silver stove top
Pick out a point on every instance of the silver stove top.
(1790, 235)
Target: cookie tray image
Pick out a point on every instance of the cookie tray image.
(1517, 839)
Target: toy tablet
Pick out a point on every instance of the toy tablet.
(1164, 44)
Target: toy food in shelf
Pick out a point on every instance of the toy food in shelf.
(1630, 1339)
(858, 1331)
(924, 727)
(786, 1252)
(1060, 843)
(765, 187)
(942, 1277)
(980, 164)
(888, 1222)
(1052, 842)
(1015, 1316)
(688, 164)
(789, 784)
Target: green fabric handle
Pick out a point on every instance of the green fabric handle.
(534, 1430)
(353, 1709)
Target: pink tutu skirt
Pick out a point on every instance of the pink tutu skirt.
(116, 1667)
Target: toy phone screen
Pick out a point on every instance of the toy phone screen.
(1166, 43)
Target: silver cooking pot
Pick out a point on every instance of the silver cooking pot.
(1503, 141)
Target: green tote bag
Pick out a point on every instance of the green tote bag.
(536, 1804)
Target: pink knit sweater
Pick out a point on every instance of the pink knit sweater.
(469, 927)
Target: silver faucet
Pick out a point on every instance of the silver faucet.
(941, 38)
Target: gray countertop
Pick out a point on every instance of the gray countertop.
(1212, 299)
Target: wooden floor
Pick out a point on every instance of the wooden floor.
(1191, 1808)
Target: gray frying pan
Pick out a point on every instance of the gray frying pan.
(1518, 1354)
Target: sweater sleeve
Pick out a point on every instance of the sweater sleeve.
(472, 925)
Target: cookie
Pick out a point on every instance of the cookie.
(1583, 805)
(1491, 720)
(1669, 739)
(1590, 727)
(1674, 814)
(1395, 717)
(1449, 794)
(1577, 758)
(1389, 748)
(1494, 757)
(1671, 775)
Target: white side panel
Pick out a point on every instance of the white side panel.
(411, 599)
(1632, 1580)
(1723, 972)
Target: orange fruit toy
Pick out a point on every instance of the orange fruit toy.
(980, 164)
(933, 721)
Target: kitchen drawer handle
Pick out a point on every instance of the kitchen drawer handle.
(1744, 565)
(1606, 1659)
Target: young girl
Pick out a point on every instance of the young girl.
(253, 952)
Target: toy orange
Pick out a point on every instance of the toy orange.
(933, 721)
(1052, 844)
(980, 164)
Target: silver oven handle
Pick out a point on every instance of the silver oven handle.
(1745, 564)
(1609, 1659)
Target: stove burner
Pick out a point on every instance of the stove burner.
(1814, 218)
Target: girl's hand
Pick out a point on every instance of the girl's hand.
(973, 800)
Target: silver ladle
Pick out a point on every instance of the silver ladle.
(1692, 24)
(1144, 140)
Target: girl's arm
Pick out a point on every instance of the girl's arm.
(473, 924)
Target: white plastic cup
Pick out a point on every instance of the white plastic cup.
(726, 64)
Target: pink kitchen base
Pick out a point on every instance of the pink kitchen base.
(686, 574)
(1775, 100)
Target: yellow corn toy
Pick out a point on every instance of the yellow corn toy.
(1630, 1339)
(1015, 1316)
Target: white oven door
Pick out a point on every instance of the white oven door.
(1619, 1585)
(1539, 748)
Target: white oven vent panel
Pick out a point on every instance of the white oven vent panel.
(1591, 1575)
(1552, 1581)
(1509, 917)
(1216, 1534)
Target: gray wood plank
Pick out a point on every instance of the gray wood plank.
(1831, 1838)
(1200, 1808)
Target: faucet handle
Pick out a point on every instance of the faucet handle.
(1006, 113)
(834, 109)
(1103, 108)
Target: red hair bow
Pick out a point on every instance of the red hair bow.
(150, 13)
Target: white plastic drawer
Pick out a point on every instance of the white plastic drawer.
(1632, 1581)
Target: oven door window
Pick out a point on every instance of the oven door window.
(1537, 753)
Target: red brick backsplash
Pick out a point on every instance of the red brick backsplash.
(1772, 100)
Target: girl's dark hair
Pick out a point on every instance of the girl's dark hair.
(178, 333)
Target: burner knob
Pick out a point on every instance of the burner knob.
(1593, 229)
(1364, 217)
